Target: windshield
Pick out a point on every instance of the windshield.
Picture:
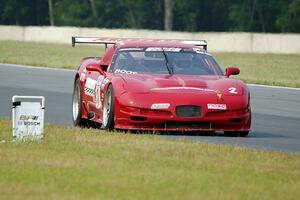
(164, 60)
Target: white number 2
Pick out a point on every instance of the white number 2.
(232, 90)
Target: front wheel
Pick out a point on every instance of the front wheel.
(77, 105)
(236, 133)
(108, 109)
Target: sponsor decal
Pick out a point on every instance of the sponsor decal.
(97, 97)
(123, 71)
(104, 82)
(160, 106)
(28, 120)
(29, 117)
(82, 75)
(184, 88)
(232, 90)
(172, 49)
(216, 106)
(131, 49)
(27, 123)
(89, 87)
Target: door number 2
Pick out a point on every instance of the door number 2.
(232, 90)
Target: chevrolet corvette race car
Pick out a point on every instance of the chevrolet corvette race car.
(164, 85)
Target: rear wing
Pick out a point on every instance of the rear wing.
(93, 40)
(107, 41)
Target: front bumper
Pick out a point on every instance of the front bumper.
(135, 112)
(164, 120)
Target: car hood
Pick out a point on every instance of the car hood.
(144, 83)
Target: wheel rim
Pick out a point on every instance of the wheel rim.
(106, 108)
(76, 104)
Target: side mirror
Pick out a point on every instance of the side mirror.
(232, 71)
(95, 68)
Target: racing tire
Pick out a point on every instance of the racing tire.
(108, 109)
(77, 105)
(236, 133)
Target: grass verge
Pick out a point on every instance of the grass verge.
(269, 69)
(73, 163)
(47, 55)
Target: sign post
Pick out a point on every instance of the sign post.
(28, 117)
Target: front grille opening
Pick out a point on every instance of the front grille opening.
(188, 111)
(235, 120)
(138, 118)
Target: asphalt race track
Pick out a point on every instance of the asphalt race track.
(276, 110)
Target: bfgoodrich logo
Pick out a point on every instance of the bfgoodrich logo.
(28, 117)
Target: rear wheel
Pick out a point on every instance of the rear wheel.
(77, 105)
(108, 109)
(236, 133)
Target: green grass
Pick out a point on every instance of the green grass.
(73, 163)
(48, 55)
(270, 69)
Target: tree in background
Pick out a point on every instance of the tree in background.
(255, 15)
(195, 15)
(94, 11)
(51, 12)
(26, 12)
(289, 19)
(168, 15)
(72, 13)
(178, 15)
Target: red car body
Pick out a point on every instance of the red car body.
(163, 101)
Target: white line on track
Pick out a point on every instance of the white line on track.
(71, 70)
(274, 87)
(34, 67)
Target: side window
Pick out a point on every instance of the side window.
(120, 61)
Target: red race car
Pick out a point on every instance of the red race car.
(164, 85)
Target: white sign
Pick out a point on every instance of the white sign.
(28, 116)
